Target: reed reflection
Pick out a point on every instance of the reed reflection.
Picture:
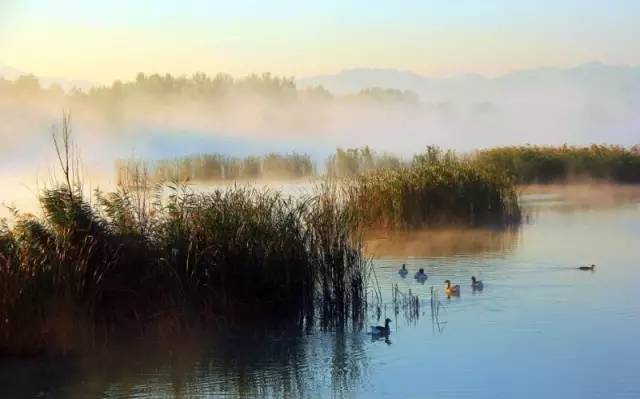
(266, 364)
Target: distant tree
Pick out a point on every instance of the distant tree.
(317, 93)
(27, 84)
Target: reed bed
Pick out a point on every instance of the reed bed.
(141, 261)
(437, 188)
(218, 167)
(356, 161)
(547, 164)
(228, 257)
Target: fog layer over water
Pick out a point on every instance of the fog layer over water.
(539, 328)
(157, 116)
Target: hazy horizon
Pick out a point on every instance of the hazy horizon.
(590, 103)
(11, 72)
(104, 42)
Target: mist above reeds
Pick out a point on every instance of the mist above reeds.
(264, 110)
(162, 116)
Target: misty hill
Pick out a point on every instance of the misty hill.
(592, 78)
(592, 102)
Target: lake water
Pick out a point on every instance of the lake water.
(539, 329)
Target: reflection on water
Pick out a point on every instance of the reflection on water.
(539, 328)
(579, 196)
(243, 366)
(441, 242)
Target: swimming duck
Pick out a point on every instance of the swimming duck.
(592, 267)
(451, 289)
(379, 330)
(476, 284)
(421, 275)
(403, 270)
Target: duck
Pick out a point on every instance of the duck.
(403, 270)
(476, 284)
(380, 330)
(592, 267)
(421, 275)
(451, 289)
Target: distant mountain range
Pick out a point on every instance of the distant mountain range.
(589, 103)
(593, 77)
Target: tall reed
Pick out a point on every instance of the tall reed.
(234, 257)
(143, 260)
(218, 167)
(547, 164)
(436, 188)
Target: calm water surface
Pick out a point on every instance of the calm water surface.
(539, 329)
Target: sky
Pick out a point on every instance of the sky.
(105, 40)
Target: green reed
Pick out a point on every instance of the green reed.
(218, 167)
(547, 164)
(234, 257)
(435, 188)
(155, 260)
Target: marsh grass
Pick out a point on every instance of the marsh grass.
(356, 161)
(547, 164)
(406, 302)
(145, 262)
(437, 188)
(218, 167)
(229, 257)
(224, 258)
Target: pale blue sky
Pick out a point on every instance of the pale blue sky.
(104, 40)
